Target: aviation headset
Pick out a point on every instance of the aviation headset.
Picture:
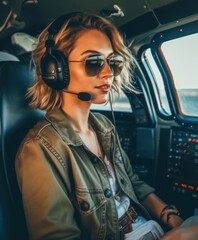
(53, 65)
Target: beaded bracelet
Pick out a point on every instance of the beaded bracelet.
(170, 210)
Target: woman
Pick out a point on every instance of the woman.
(75, 181)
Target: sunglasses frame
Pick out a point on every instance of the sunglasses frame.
(106, 60)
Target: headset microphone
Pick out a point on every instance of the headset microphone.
(84, 96)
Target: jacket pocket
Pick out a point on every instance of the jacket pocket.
(89, 200)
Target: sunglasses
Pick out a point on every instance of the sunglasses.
(94, 64)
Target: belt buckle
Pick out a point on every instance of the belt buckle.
(127, 229)
(127, 219)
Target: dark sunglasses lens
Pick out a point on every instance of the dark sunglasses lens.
(94, 64)
(116, 64)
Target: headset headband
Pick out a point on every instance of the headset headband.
(57, 23)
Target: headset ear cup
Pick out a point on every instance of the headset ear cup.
(55, 70)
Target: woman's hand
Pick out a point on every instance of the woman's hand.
(174, 221)
(182, 233)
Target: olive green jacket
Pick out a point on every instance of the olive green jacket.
(65, 187)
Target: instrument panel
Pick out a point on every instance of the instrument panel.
(182, 165)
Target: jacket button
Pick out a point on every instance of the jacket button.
(94, 160)
(107, 193)
(84, 206)
(123, 181)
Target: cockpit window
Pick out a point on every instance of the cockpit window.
(120, 103)
(177, 59)
(181, 55)
(158, 83)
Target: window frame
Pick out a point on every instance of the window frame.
(156, 92)
(171, 92)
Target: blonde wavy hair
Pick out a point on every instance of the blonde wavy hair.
(46, 98)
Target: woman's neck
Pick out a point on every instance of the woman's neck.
(79, 116)
(78, 113)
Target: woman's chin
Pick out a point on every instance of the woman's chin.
(100, 100)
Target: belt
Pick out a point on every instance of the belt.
(127, 219)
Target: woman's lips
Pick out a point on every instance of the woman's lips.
(104, 87)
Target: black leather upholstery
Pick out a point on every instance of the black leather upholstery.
(16, 118)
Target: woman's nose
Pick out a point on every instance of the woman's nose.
(106, 71)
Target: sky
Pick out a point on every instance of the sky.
(182, 57)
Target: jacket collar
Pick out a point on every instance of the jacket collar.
(62, 124)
